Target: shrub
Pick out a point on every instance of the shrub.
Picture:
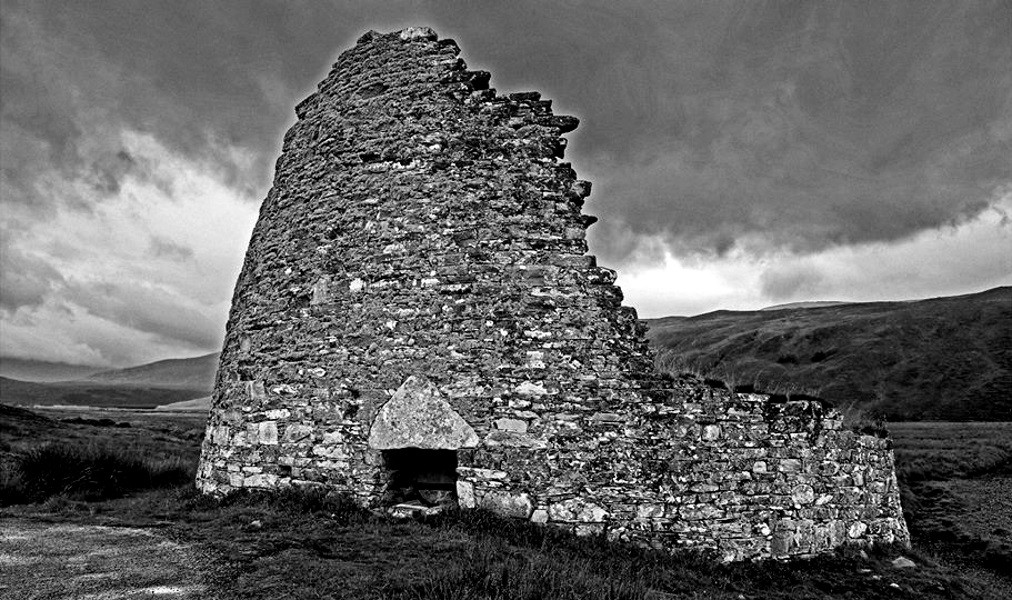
(86, 472)
(11, 487)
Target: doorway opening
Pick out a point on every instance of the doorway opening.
(417, 475)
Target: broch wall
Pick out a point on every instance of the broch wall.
(419, 279)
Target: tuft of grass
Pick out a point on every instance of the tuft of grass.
(298, 500)
(86, 472)
(490, 569)
(864, 421)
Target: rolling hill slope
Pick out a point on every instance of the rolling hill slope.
(943, 358)
(42, 371)
(187, 373)
(144, 386)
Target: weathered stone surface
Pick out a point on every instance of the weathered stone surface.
(711, 433)
(267, 432)
(576, 510)
(465, 494)
(507, 504)
(421, 235)
(803, 494)
(417, 416)
(511, 425)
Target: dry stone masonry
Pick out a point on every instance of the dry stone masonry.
(418, 319)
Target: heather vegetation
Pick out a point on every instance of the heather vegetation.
(85, 458)
(92, 472)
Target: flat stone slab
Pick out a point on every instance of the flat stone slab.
(409, 510)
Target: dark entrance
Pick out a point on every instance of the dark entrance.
(421, 476)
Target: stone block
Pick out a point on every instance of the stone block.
(790, 465)
(530, 388)
(515, 425)
(711, 433)
(857, 530)
(260, 480)
(508, 504)
(267, 432)
(417, 416)
(297, 432)
(465, 494)
(255, 391)
(576, 510)
(802, 494)
(649, 511)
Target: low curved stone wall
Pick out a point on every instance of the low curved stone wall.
(739, 474)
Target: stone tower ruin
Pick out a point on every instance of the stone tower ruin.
(418, 318)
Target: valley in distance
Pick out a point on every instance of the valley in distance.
(944, 359)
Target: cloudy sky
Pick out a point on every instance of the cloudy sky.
(743, 153)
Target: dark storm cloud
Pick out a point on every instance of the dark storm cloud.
(803, 126)
(707, 127)
(202, 77)
(799, 124)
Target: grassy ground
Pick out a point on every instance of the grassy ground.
(311, 546)
(944, 450)
(957, 490)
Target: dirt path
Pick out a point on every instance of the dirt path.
(43, 561)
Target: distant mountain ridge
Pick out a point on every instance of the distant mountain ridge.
(42, 371)
(145, 386)
(190, 373)
(941, 358)
(809, 304)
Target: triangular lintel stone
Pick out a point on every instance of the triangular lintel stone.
(417, 416)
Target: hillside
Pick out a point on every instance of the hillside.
(182, 373)
(85, 393)
(42, 371)
(943, 358)
(145, 386)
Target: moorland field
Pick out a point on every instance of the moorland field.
(140, 467)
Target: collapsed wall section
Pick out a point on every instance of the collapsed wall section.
(749, 475)
(421, 258)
